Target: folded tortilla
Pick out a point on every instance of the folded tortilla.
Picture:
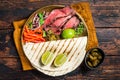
(73, 48)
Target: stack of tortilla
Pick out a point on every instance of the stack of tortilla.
(74, 49)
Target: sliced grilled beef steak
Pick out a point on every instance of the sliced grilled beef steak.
(73, 22)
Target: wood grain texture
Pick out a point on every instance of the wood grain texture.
(106, 70)
(107, 22)
(105, 13)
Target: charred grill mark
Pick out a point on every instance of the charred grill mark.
(73, 49)
(43, 46)
(56, 51)
(34, 49)
(59, 52)
(77, 62)
(55, 46)
(59, 44)
(28, 48)
(66, 43)
(77, 51)
(38, 50)
(25, 46)
(42, 49)
(72, 42)
(50, 46)
(65, 51)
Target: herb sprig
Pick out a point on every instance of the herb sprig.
(79, 30)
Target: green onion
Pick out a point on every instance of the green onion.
(41, 18)
(30, 25)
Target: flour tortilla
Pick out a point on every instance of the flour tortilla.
(71, 47)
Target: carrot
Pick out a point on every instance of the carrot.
(34, 36)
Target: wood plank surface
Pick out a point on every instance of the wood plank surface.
(106, 16)
(106, 70)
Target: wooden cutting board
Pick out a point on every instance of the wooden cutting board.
(83, 8)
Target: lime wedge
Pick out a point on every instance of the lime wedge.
(46, 57)
(60, 60)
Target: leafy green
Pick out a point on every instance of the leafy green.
(30, 25)
(41, 18)
(79, 30)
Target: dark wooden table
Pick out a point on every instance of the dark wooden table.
(106, 15)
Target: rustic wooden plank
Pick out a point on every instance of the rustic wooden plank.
(103, 15)
(105, 7)
(17, 76)
(106, 13)
(17, 10)
(7, 46)
(109, 67)
(106, 18)
(21, 3)
(9, 64)
(107, 2)
(36, 3)
(109, 40)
